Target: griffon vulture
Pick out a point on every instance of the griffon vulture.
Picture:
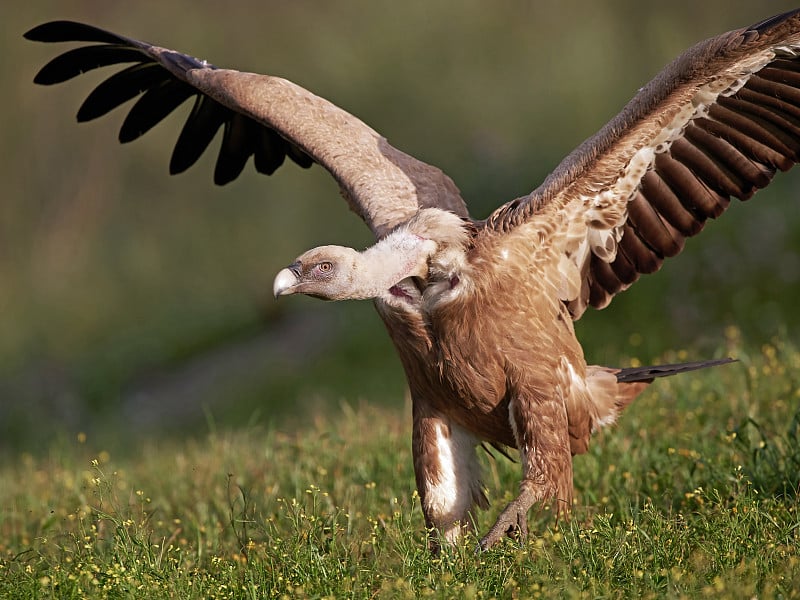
(482, 311)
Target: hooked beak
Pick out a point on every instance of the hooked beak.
(286, 280)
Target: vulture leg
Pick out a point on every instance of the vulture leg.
(448, 476)
(539, 422)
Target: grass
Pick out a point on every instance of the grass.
(694, 494)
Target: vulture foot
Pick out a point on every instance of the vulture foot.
(512, 522)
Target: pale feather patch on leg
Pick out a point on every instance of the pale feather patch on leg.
(449, 501)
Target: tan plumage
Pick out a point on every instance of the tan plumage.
(482, 312)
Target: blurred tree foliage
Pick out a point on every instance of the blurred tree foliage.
(120, 285)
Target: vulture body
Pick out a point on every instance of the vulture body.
(482, 312)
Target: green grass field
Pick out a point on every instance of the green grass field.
(695, 493)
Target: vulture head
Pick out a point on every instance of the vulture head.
(341, 273)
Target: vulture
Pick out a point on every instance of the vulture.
(481, 311)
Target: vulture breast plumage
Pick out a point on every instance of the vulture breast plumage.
(482, 311)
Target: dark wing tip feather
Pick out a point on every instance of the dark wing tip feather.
(71, 31)
(200, 128)
(153, 107)
(121, 87)
(269, 154)
(80, 60)
(159, 76)
(300, 158)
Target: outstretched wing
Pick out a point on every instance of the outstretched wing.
(265, 117)
(716, 123)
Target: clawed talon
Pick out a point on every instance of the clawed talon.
(512, 522)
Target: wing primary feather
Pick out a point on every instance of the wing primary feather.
(154, 105)
(599, 296)
(119, 88)
(624, 268)
(784, 65)
(202, 124)
(780, 71)
(749, 174)
(754, 128)
(782, 126)
(270, 152)
(780, 106)
(691, 191)
(86, 58)
(706, 167)
(650, 225)
(298, 156)
(660, 195)
(236, 148)
(605, 276)
(745, 135)
(644, 258)
(70, 31)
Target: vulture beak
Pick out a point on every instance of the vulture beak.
(286, 280)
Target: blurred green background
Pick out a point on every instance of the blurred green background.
(132, 302)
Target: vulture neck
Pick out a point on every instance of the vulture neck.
(396, 257)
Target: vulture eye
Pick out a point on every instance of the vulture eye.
(325, 267)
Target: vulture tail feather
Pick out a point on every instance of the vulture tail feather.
(648, 374)
(612, 390)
